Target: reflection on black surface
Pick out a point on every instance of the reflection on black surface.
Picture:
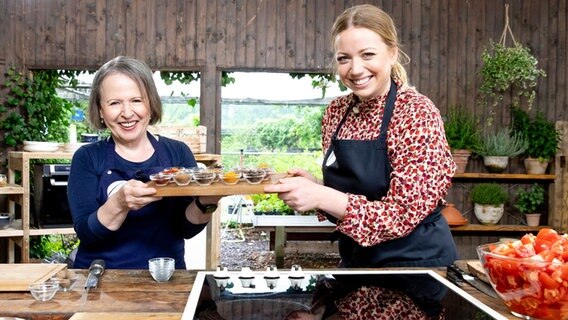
(338, 296)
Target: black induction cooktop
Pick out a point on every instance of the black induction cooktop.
(330, 294)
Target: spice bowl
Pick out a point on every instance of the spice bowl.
(254, 176)
(182, 177)
(161, 179)
(161, 268)
(229, 177)
(44, 291)
(204, 177)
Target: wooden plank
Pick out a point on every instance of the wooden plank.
(230, 42)
(150, 33)
(70, 29)
(111, 32)
(260, 36)
(221, 29)
(57, 34)
(424, 58)
(310, 47)
(170, 32)
(290, 32)
(300, 42)
(190, 34)
(313, 247)
(213, 246)
(130, 29)
(201, 52)
(250, 32)
(504, 176)
(270, 21)
(240, 33)
(180, 31)
(100, 20)
(160, 34)
(279, 243)
(18, 277)
(280, 21)
(140, 36)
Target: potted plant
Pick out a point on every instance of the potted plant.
(509, 68)
(496, 147)
(528, 202)
(489, 200)
(542, 137)
(462, 135)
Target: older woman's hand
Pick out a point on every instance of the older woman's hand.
(134, 195)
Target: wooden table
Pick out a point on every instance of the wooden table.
(127, 292)
(133, 294)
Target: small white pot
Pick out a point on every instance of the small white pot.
(533, 219)
(495, 164)
(488, 214)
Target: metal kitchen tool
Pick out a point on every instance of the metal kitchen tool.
(456, 275)
(96, 269)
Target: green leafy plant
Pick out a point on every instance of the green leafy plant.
(489, 193)
(46, 245)
(270, 203)
(461, 129)
(32, 110)
(542, 137)
(529, 200)
(509, 68)
(501, 143)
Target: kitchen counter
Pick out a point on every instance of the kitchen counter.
(133, 294)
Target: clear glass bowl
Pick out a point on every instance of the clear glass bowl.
(161, 179)
(162, 268)
(44, 291)
(182, 177)
(527, 286)
(254, 176)
(229, 177)
(204, 178)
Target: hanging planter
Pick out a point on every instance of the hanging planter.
(509, 68)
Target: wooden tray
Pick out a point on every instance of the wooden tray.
(18, 276)
(217, 188)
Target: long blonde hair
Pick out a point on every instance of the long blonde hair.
(373, 18)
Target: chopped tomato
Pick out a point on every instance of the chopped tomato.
(535, 281)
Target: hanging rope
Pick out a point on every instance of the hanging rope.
(507, 29)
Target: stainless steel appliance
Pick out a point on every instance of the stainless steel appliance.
(50, 196)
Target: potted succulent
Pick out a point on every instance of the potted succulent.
(496, 147)
(489, 201)
(462, 135)
(542, 137)
(528, 202)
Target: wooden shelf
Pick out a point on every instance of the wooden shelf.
(496, 228)
(48, 231)
(15, 230)
(504, 176)
(12, 189)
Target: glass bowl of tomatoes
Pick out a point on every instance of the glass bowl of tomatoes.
(530, 275)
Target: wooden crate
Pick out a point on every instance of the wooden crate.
(194, 137)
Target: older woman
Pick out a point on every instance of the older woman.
(116, 214)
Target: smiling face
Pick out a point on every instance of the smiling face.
(364, 62)
(124, 109)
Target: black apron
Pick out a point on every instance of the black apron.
(362, 167)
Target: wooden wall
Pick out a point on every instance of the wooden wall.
(444, 39)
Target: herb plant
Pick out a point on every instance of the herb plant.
(461, 129)
(529, 200)
(502, 143)
(489, 193)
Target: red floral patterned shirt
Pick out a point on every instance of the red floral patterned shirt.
(419, 155)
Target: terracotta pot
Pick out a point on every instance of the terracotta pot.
(533, 219)
(535, 166)
(453, 216)
(461, 158)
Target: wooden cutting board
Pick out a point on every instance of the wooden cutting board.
(18, 276)
(477, 270)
